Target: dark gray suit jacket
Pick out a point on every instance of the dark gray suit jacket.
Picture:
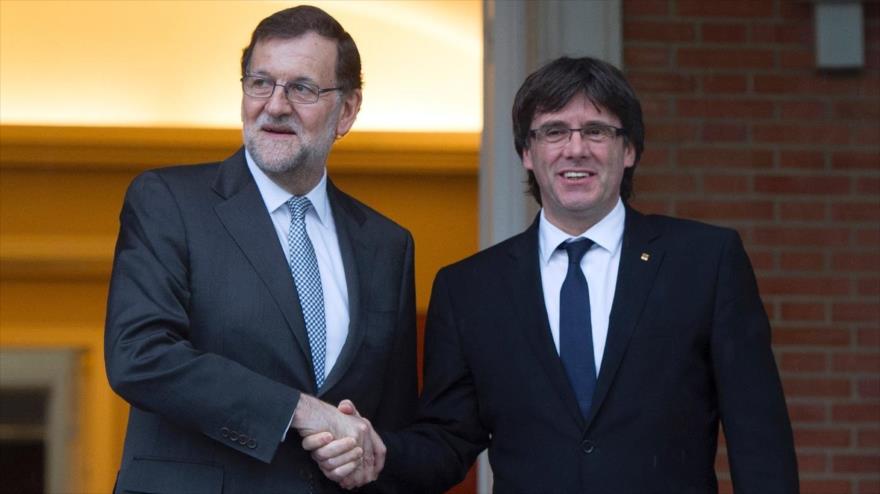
(205, 337)
(688, 347)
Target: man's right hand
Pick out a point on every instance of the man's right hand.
(340, 457)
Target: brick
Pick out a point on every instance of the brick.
(673, 183)
(724, 157)
(817, 237)
(724, 132)
(857, 109)
(813, 110)
(819, 337)
(869, 438)
(860, 211)
(802, 159)
(716, 58)
(634, 8)
(856, 463)
(812, 462)
(797, 58)
(674, 132)
(825, 486)
(854, 160)
(724, 83)
(800, 133)
(853, 312)
(647, 56)
(792, 285)
(724, 108)
(763, 260)
(801, 11)
(812, 185)
(816, 387)
(803, 311)
(782, 34)
(803, 211)
(757, 9)
(856, 362)
(868, 185)
(868, 338)
(806, 413)
(799, 362)
(658, 31)
(652, 206)
(868, 388)
(869, 287)
(821, 438)
(714, 32)
(869, 486)
(868, 238)
(656, 107)
(816, 84)
(802, 261)
(865, 135)
(858, 262)
(868, 413)
(646, 81)
(726, 184)
(656, 157)
(725, 210)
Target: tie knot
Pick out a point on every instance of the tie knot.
(298, 206)
(576, 249)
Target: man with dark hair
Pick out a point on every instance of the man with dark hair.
(249, 294)
(598, 351)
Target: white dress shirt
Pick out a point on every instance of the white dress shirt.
(322, 232)
(599, 264)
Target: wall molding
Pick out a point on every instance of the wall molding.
(136, 148)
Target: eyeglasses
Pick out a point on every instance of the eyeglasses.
(257, 86)
(596, 133)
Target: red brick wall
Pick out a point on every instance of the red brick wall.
(742, 130)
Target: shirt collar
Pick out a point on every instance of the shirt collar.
(275, 197)
(607, 233)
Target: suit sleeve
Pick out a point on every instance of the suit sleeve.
(436, 453)
(753, 411)
(150, 359)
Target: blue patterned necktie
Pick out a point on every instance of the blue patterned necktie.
(575, 328)
(307, 276)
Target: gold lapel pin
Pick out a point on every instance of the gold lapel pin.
(645, 256)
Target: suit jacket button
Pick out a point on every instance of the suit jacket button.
(252, 444)
(233, 436)
(224, 432)
(588, 446)
(243, 439)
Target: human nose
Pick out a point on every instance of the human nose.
(278, 104)
(577, 145)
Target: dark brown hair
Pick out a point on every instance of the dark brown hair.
(552, 86)
(297, 21)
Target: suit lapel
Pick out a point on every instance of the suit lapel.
(244, 215)
(524, 278)
(639, 263)
(357, 257)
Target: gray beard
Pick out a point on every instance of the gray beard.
(274, 160)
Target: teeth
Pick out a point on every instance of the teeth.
(576, 174)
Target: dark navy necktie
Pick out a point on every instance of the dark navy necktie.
(575, 328)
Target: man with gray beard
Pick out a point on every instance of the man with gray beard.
(251, 296)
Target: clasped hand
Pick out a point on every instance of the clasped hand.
(346, 447)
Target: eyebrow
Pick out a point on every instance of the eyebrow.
(560, 123)
(298, 80)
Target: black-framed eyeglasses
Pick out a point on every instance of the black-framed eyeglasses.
(556, 134)
(257, 86)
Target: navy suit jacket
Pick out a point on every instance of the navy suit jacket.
(206, 340)
(688, 347)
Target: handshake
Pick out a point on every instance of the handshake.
(346, 447)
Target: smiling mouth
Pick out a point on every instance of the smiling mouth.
(576, 175)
